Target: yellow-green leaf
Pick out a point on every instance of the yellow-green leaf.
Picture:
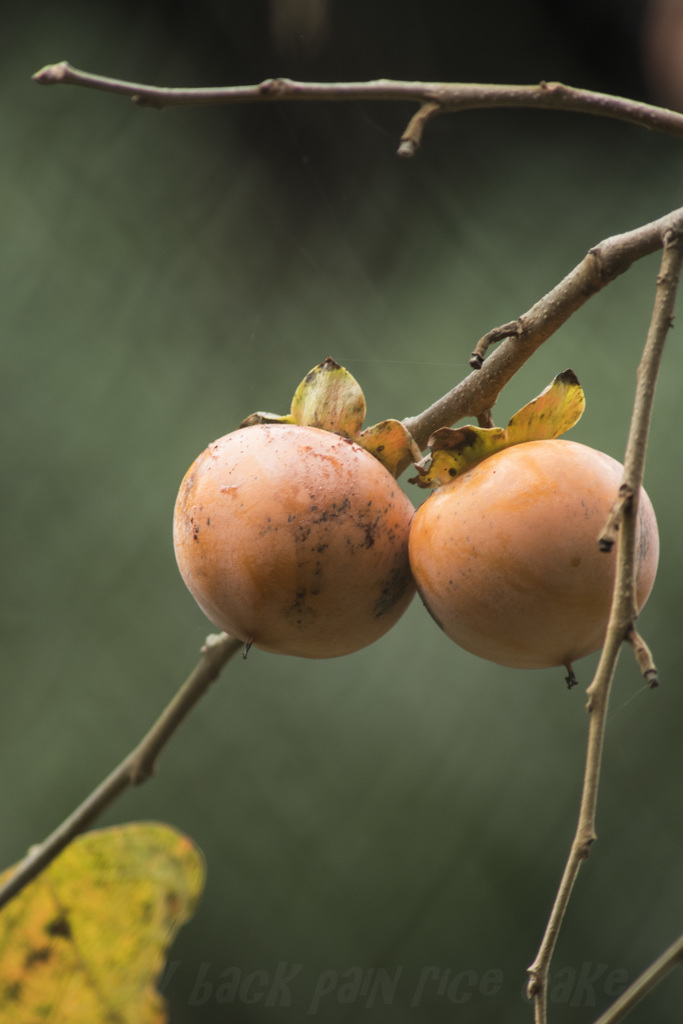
(555, 411)
(265, 417)
(390, 442)
(85, 941)
(455, 450)
(330, 398)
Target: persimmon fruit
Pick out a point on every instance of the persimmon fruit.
(506, 556)
(294, 539)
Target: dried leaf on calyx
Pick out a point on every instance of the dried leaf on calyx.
(454, 450)
(330, 398)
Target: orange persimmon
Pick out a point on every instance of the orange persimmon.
(295, 539)
(506, 557)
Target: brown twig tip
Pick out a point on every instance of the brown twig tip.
(412, 136)
(644, 659)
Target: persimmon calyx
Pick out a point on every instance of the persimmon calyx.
(330, 398)
(454, 450)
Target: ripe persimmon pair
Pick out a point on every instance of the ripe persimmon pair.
(293, 535)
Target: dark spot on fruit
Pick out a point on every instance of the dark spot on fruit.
(393, 589)
(452, 472)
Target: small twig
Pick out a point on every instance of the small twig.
(670, 958)
(412, 136)
(602, 264)
(133, 770)
(511, 330)
(643, 656)
(448, 97)
(622, 614)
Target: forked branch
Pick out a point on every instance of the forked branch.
(521, 337)
(602, 264)
(434, 97)
(621, 625)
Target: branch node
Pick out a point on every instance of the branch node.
(608, 534)
(276, 87)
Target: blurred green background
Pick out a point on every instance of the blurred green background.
(406, 810)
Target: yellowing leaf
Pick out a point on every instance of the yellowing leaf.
(84, 942)
(455, 450)
(390, 442)
(330, 398)
(555, 411)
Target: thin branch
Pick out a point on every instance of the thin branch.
(602, 264)
(445, 96)
(670, 958)
(620, 626)
(133, 770)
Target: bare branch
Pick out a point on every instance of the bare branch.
(620, 626)
(602, 264)
(133, 770)
(437, 97)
